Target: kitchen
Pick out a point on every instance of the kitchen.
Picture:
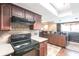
(17, 22)
(23, 33)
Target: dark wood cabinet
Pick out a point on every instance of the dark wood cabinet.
(5, 15)
(56, 39)
(29, 15)
(43, 48)
(62, 41)
(52, 39)
(37, 24)
(37, 18)
(17, 11)
(8, 10)
(44, 34)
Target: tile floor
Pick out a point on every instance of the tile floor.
(52, 50)
(73, 46)
(67, 52)
(72, 49)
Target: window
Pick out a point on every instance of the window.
(75, 28)
(65, 27)
(70, 27)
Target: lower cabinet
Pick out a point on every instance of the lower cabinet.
(59, 40)
(43, 48)
(62, 41)
(44, 34)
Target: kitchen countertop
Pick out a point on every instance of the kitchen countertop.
(39, 39)
(6, 49)
(4, 38)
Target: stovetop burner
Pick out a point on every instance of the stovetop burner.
(22, 43)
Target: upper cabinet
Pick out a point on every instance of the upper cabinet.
(8, 10)
(5, 15)
(32, 16)
(37, 18)
(29, 15)
(17, 11)
(37, 24)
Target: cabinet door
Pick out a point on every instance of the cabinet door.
(56, 38)
(5, 16)
(17, 11)
(49, 38)
(29, 15)
(43, 49)
(62, 41)
(52, 39)
(37, 18)
(37, 25)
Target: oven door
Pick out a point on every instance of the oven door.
(33, 52)
(29, 51)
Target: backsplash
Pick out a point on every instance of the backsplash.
(19, 27)
(16, 29)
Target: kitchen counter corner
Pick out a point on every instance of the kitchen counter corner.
(6, 49)
(39, 39)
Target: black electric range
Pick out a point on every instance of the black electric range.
(22, 43)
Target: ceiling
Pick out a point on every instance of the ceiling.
(55, 12)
